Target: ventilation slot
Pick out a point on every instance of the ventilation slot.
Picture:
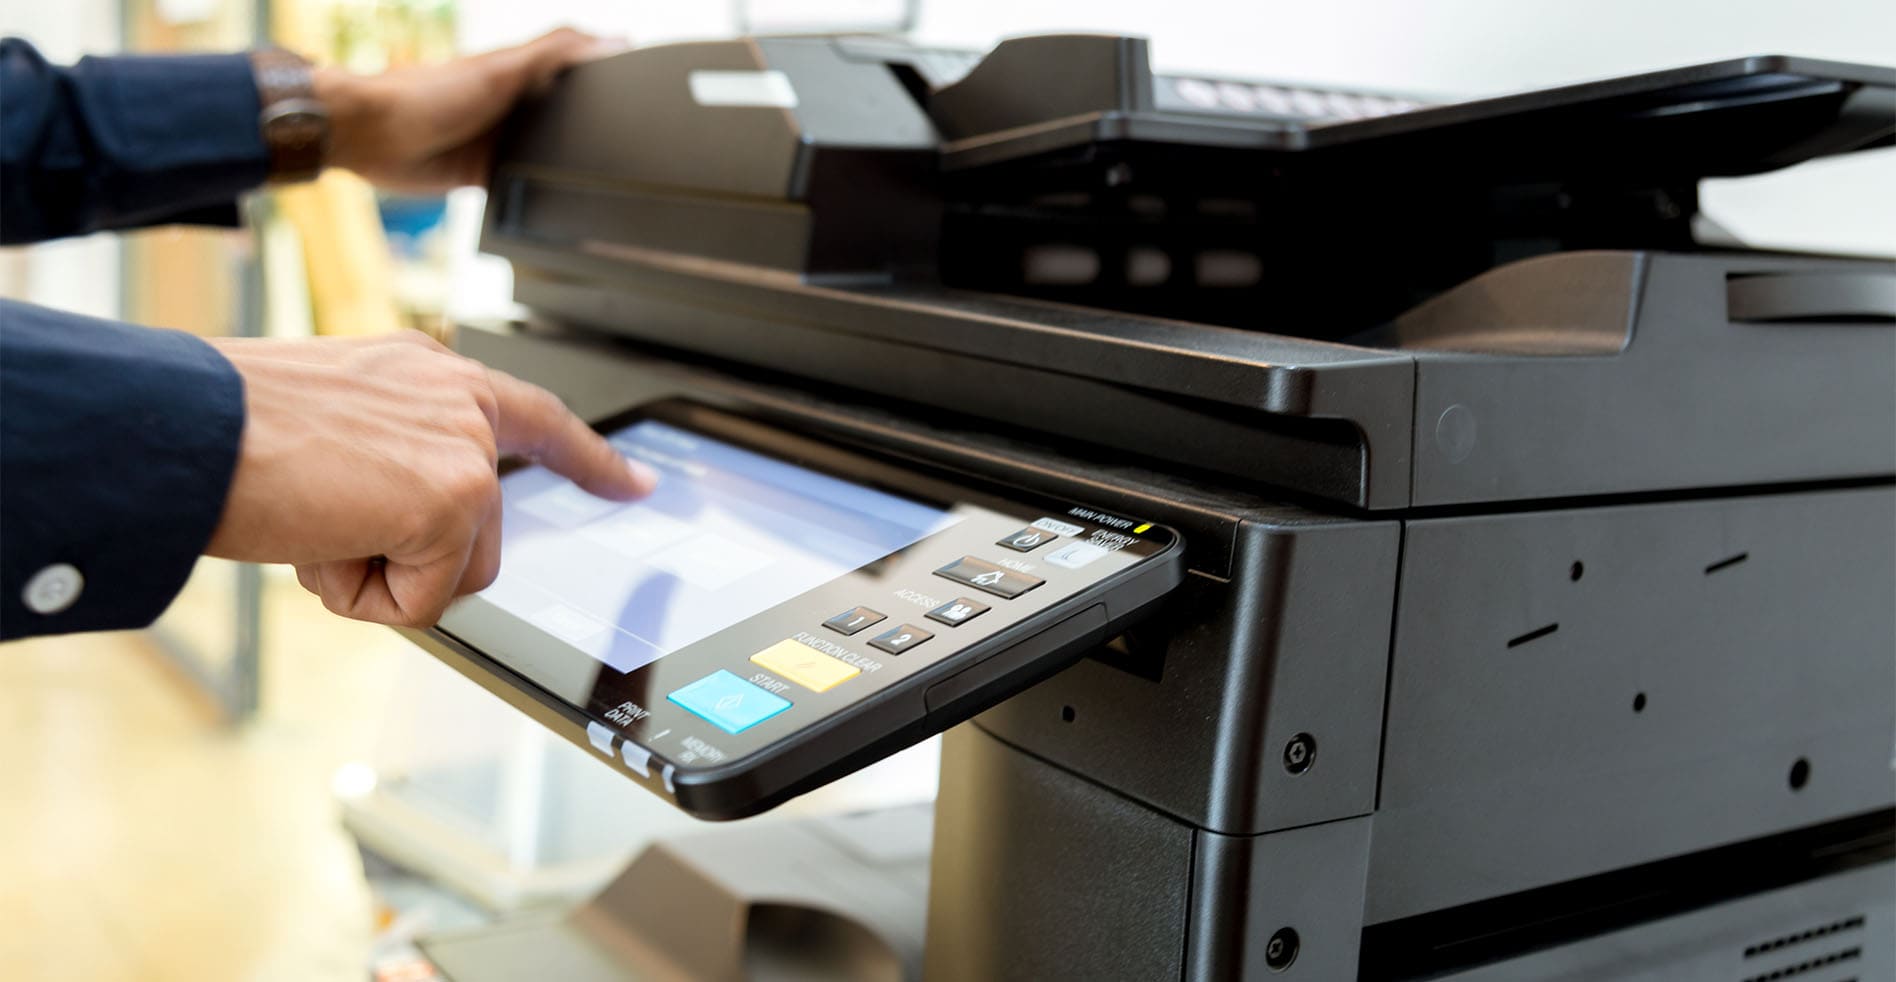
(1727, 563)
(1777, 944)
(1811, 965)
(1533, 635)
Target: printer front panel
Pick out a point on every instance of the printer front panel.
(1246, 705)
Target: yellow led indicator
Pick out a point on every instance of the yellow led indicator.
(1141, 529)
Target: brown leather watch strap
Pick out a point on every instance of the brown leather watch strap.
(294, 123)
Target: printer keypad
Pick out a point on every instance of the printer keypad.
(958, 611)
(854, 619)
(1027, 539)
(987, 577)
(896, 640)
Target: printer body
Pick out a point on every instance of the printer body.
(1540, 617)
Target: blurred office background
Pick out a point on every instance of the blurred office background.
(195, 802)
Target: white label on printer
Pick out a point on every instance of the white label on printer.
(768, 88)
(1058, 527)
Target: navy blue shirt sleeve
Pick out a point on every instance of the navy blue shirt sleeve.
(124, 141)
(117, 446)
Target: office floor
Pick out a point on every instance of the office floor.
(142, 839)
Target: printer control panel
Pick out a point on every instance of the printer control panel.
(873, 629)
(779, 611)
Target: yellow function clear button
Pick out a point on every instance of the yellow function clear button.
(805, 666)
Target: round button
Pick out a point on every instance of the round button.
(53, 589)
(1455, 433)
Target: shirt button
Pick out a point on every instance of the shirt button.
(53, 589)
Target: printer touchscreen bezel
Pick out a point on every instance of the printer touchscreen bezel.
(866, 728)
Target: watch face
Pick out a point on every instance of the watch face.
(297, 135)
(297, 128)
(294, 123)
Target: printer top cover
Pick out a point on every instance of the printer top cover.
(1349, 295)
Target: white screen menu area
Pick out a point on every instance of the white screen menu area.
(727, 534)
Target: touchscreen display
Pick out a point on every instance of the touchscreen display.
(727, 534)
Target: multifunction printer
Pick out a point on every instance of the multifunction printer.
(1536, 608)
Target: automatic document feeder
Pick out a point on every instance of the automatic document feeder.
(1515, 595)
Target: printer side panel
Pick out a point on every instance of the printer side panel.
(1587, 690)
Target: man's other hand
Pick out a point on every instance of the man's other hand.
(370, 464)
(429, 129)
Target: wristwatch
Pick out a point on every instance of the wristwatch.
(294, 123)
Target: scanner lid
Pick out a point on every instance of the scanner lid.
(1432, 307)
(1038, 95)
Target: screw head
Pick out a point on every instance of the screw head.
(1281, 949)
(1300, 753)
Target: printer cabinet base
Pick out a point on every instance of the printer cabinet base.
(1039, 874)
(1839, 927)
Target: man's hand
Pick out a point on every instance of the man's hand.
(430, 129)
(370, 464)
